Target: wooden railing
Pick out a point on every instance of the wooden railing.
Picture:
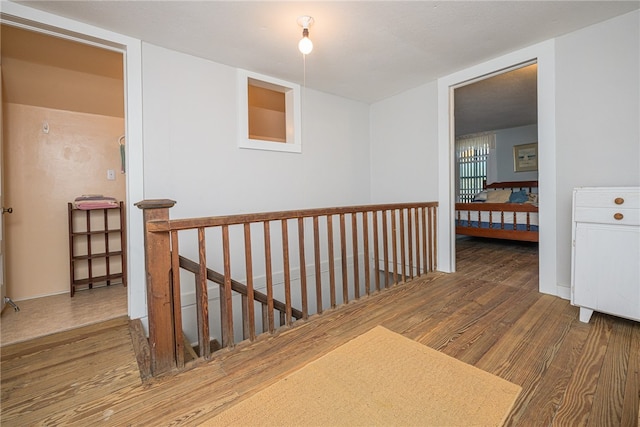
(382, 244)
(243, 290)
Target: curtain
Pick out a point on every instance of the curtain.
(472, 152)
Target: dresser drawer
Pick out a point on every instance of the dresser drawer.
(607, 216)
(619, 197)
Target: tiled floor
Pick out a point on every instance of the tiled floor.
(44, 316)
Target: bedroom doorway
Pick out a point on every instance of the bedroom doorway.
(544, 55)
(491, 116)
(67, 98)
(494, 114)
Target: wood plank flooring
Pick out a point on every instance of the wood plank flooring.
(489, 314)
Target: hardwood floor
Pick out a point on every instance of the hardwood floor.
(489, 314)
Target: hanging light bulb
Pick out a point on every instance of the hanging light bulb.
(305, 45)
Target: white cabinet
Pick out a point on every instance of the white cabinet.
(605, 273)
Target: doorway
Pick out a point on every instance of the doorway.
(493, 115)
(64, 123)
(544, 54)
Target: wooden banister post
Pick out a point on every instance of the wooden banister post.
(159, 293)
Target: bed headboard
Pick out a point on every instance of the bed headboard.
(530, 185)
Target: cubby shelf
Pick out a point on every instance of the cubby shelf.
(92, 234)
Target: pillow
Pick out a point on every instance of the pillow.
(498, 196)
(519, 197)
(480, 197)
(533, 197)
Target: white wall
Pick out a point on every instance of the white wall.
(191, 153)
(404, 146)
(598, 136)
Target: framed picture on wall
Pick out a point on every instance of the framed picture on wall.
(525, 157)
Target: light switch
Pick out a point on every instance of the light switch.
(111, 174)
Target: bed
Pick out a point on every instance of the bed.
(503, 210)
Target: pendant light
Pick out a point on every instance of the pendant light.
(305, 45)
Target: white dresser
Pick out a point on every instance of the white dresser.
(605, 258)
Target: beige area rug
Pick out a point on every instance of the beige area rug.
(379, 378)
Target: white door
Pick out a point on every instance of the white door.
(3, 287)
(3, 210)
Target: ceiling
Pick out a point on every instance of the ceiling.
(51, 72)
(503, 101)
(363, 50)
(50, 51)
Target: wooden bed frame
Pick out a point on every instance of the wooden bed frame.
(497, 230)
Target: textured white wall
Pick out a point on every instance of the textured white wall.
(598, 105)
(191, 156)
(191, 152)
(404, 146)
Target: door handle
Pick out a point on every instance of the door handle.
(7, 210)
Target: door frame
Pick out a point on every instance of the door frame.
(3, 282)
(43, 22)
(544, 54)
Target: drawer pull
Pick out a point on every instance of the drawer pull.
(618, 216)
(619, 200)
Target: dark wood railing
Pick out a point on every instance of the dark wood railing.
(247, 331)
(388, 244)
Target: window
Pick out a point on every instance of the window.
(269, 113)
(472, 152)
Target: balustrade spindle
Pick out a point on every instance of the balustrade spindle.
(343, 261)
(230, 339)
(403, 249)
(287, 271)
(202, 298)
(269, 274)
(365, 251)
(356, 267)
(251, 316)
(433, 240)
(385, 242)
(332, 272)
(394, 245)
(425, 227)
(376, 250)
(417, 237)
(175, 292)
(303, 269)
(318, 269)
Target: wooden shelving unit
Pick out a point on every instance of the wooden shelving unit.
(97, 247)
